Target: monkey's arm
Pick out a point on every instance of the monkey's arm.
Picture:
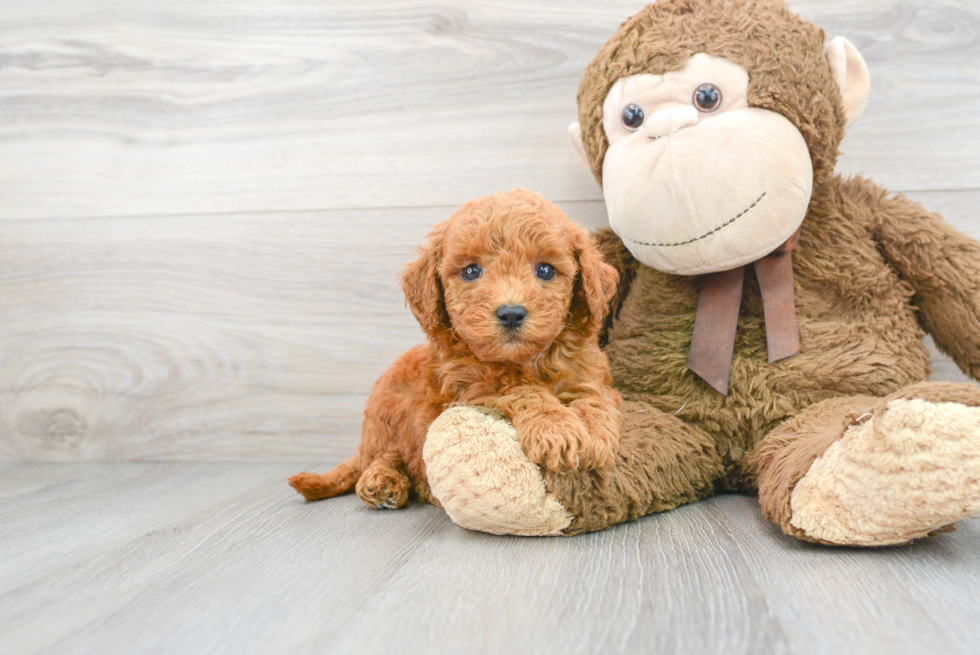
(616, 255)
(943, 266)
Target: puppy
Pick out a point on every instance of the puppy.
(511, 295)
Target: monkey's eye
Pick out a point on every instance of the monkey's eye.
(546, 272)
(707, 97)
(632, 117)
(471, 272)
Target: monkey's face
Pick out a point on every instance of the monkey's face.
(695, 180)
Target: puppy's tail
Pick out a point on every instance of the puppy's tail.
(339, 480)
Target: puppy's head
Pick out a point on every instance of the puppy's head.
(507, 274)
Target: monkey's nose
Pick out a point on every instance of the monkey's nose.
(668, 121)
(511, 316)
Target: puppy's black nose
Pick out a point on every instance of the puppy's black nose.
(511, 316)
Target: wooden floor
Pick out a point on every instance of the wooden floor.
(203, 211)
(223, 558)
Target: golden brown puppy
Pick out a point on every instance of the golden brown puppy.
(511, 295)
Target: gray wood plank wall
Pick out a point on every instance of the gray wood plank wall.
(204, 207)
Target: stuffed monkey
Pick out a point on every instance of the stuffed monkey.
(767, 330)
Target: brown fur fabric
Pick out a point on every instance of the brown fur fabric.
(859, 332)
(664, 463)
(871, 272)
(861, 340)
(548, 376)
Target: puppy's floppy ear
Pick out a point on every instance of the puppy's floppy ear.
(595, 285)
(423, 290)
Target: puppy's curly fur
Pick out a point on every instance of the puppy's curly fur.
(548, 376)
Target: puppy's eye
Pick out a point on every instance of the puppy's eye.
(632, 117)
(471, 272)
(545, 271)
(707, 97)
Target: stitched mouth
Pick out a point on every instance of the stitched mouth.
(706, 234)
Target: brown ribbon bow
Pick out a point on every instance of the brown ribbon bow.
(713, 341)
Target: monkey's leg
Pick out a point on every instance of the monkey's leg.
(875, 471)
(485, 481)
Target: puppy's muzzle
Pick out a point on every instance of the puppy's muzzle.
(511, 316)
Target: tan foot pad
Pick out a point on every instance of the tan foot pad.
(483, 479)
(911, 470)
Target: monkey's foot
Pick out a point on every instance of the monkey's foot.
(482, 478)
(911, 469)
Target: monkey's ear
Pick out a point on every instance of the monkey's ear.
(851, 75)
(575, 134)
(423, 290)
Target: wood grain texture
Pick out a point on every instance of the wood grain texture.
(204, 207)
(218, 337)
(121, 108)
(224, 558)
(222, 337)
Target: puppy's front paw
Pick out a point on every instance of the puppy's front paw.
(596, 454)
(563, 441)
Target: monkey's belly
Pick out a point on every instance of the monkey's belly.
(870, 355)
